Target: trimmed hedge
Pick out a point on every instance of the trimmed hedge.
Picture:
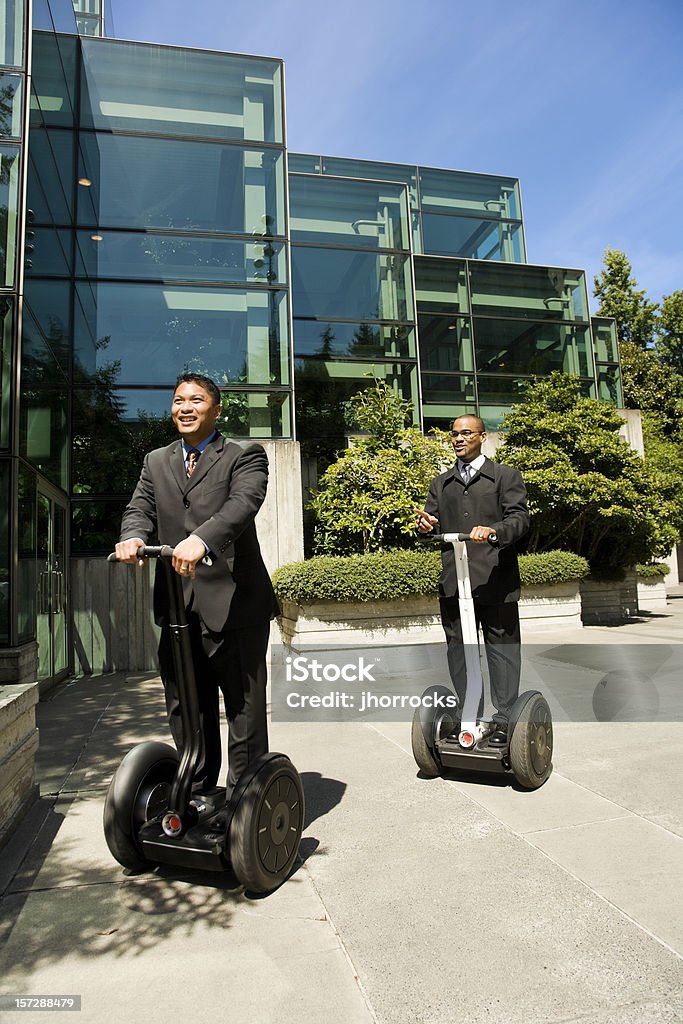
(390, 575)
(653, 570)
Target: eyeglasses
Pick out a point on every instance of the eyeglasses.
(464, 433)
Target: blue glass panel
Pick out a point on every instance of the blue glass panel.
(451, 389)
(148, 334)
(518, 346)
(6, 330)
(357, 341)
(51, 176)
(537, 293)
(12, 33)
(443, 191)
(50, 252)
(49, 302)
(147, 256)
(441, 285)
(180, 92)
(333, 211)
(180, 185)
(53, 78)
(445, 343)
(374, 171)
(9, 197)
(472, 237)
(304, 163)
(341, 284)
(10, 106)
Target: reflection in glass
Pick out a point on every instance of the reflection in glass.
(605, 339)
(4, 552)
(473, 238)
(460, 191)
(323, 389)
(522, 347)
(148, 256)
(9, 194)
(50, 176)
(348, 213)
(114, 428)
(95, 525)
(356, 341)
(329, 283)
(445, 343)
(43, 434)
(51, 253)
(441, 286)
(10, 106)
(180, 185)
(451, 389)
(53, 74)
(234, 335)
(539, 293)
(303, 163)
(609, 385)
(12, 33)
(180, 92)
(49, 309)
(6, 320)
(374, 170)
(502, 390)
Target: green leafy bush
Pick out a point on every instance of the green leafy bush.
(390, 575)
(653, 570)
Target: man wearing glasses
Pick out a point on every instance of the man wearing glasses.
(488, 501)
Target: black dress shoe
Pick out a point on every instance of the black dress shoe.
(499, 737)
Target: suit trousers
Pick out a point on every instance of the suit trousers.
(235, 666)
(502, 639)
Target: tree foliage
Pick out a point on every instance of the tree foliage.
(670, 341)
(367, 498)
(650, 385)
(589, 492)
(620, 298)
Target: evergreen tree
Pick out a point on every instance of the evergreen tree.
(620, 298)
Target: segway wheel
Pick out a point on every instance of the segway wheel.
(139, 791)
(267, 826)
(430, 722)
(531, 744)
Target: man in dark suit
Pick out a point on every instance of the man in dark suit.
(489, 502)
(200, 495)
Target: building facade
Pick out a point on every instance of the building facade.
(153, 221)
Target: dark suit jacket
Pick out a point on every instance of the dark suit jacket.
(495, 496)
(218, 504)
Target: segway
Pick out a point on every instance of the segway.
(151, 815)
(445, 736)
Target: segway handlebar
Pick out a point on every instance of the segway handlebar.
(148, 551)
(448, 538)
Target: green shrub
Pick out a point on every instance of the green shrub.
(653, 570)
(389, 575)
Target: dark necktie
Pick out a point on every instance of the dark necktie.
(465, 473)
(192, 457)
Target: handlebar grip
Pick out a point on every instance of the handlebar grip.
(148, 551)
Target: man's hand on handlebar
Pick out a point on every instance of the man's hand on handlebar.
(127, 551)
(480, 534)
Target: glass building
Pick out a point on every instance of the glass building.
(152, 221)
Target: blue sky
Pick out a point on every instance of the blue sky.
(582, 101)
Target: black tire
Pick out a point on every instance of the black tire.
(267, 826)
(136, 793)
(430, 724)
(531, 744)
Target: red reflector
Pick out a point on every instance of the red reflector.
(174, 822)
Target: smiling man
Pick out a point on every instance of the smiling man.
(200, 495)
(488, 501)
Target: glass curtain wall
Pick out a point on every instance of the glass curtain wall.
(453, 213)
(353, 302)
(485, 329)
(160, 230)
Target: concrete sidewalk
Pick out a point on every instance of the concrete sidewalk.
(431, 901)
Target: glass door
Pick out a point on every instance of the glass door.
(53, 661)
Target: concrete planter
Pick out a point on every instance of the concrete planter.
(18, 745)
(609, 602)
(551, 605)
(410, 620)
(652, 594)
